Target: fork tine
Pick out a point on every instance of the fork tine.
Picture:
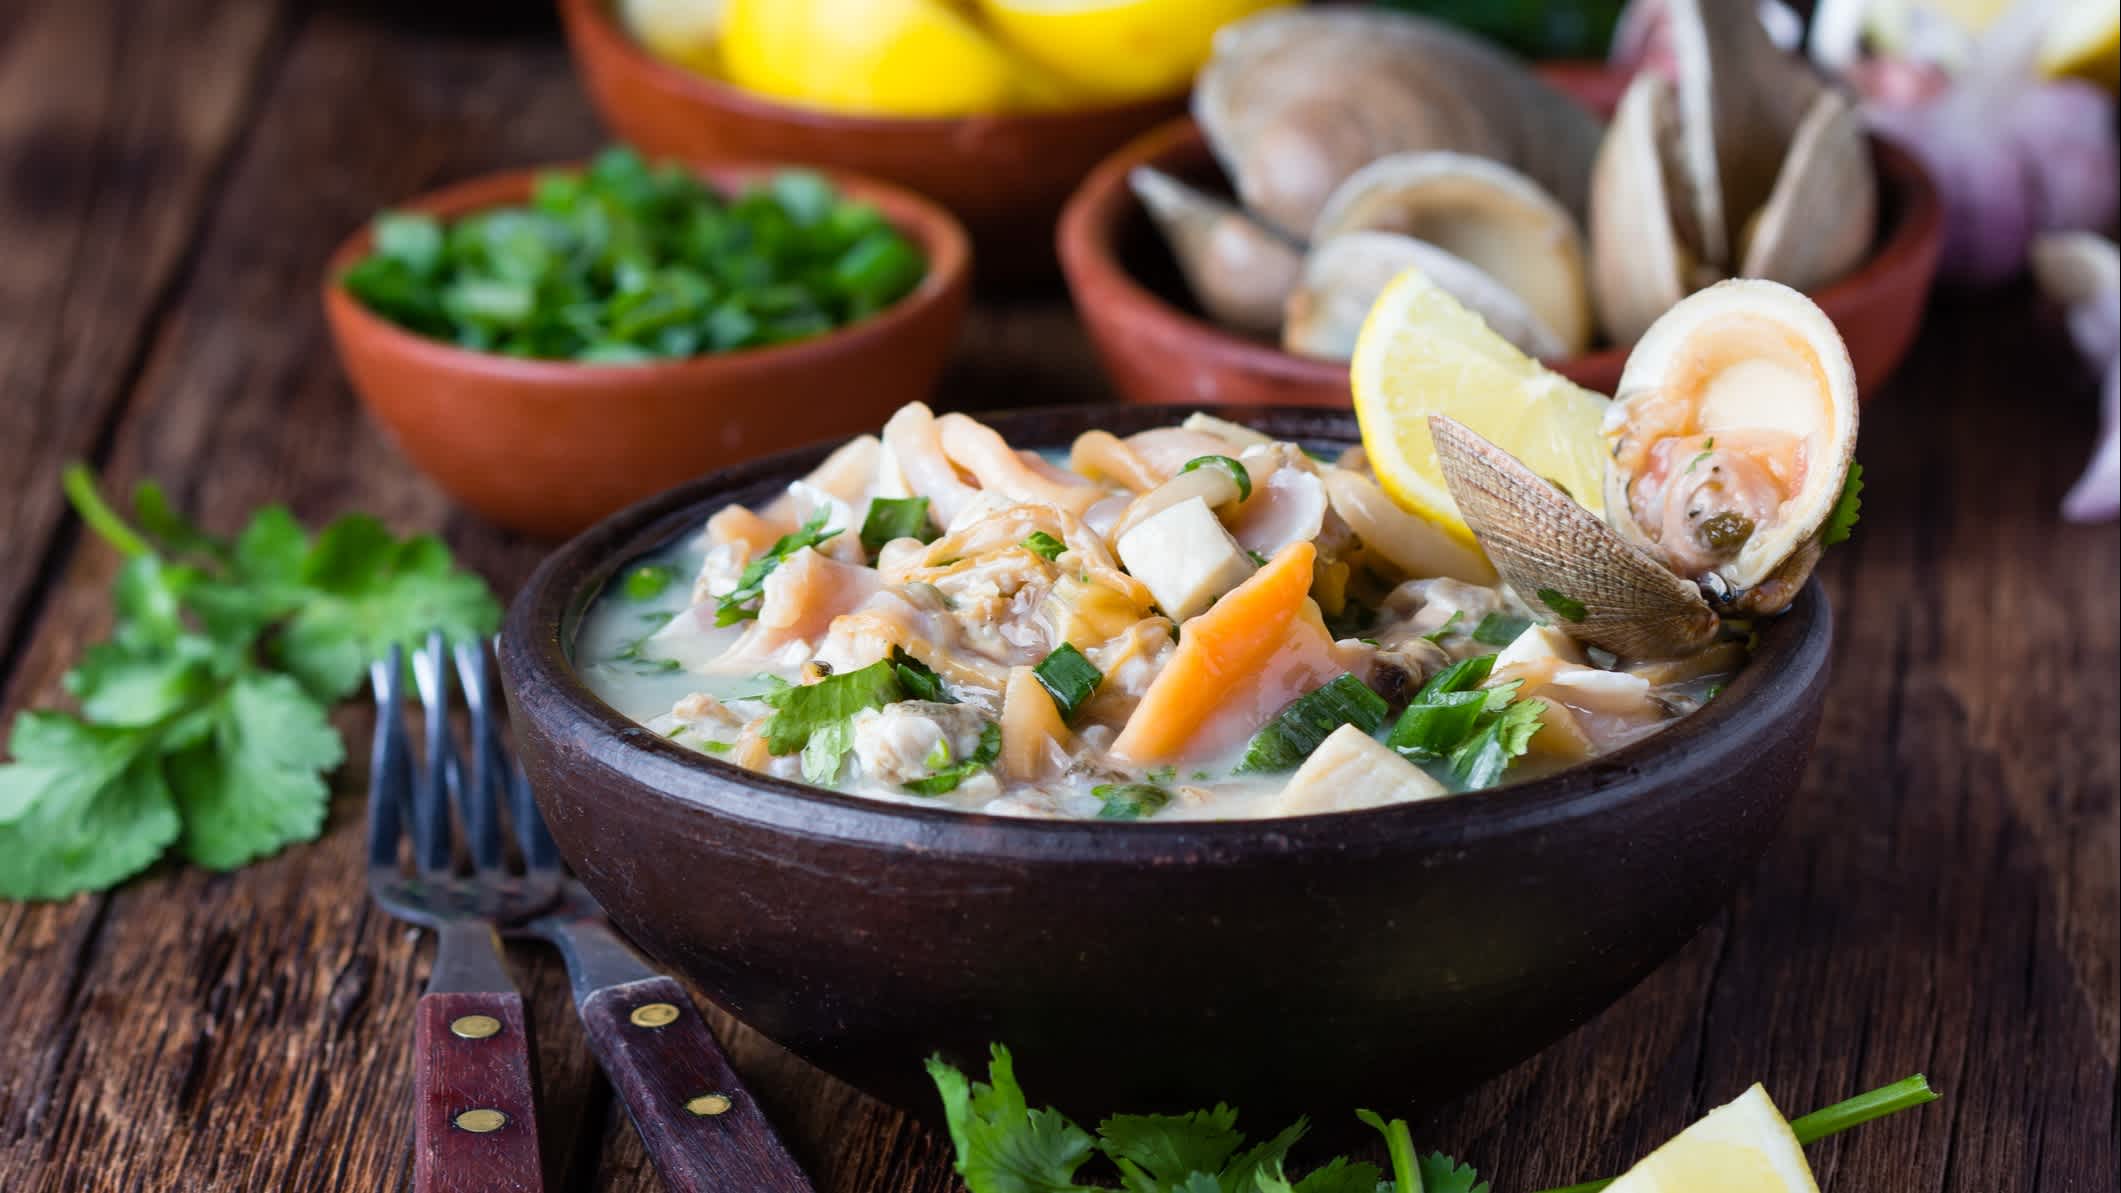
(387, 761)
(539, 851)
(430, 795)
(479, 800)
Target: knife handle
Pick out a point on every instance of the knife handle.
(701, 1126)
(476, 1124)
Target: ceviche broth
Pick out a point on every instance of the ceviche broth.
(1196, 621)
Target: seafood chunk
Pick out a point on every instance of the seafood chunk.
(1185, 557)
(914, 738)
(1349, 770)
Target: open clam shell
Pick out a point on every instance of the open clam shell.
(1556, 554)
(1731, 440)
(1240, 270)
(1644, 248)
(1483, 213)
(1827, 172)
(1293, 101)
(1343, 275)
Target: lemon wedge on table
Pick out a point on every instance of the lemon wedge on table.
(1118, 49)
(1745, 1146)
(879, 57)
(1420, 353)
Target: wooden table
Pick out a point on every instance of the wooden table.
(1943, 899)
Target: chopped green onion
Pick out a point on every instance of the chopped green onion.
(1236, 470)
(1130, 801)
(1068, 677)
(948, 775)
(1458, 677)
(1307, 720)
(1500, 629)
(1044, 545)
(895, 518)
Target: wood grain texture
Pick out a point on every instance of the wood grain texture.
(1943, 898)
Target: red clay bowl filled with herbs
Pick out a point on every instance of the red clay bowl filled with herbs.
(549, 446)
(1160, 347)
(1005, 174)
(1389, 957)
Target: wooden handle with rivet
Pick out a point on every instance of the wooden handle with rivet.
(701, 1126)
(476, 1124)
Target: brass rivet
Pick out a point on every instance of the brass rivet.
(475, 1027)
(709, 1105)
(481, 1121)
(654, 1014)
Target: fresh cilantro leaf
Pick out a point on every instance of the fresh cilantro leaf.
(133, 685)
(1044, 545)
(172, 531)
(255, 783)
(1481, 760)
(1167, 1148)
(1566, 607)
(949, 774)
(1847, 509)
(740, 602)
(1431, 729)
(919, 679)
(1500, 629)
(82, 807)
(896, 518)
(1338, 1175)
(1130, 801)
(367, 590)
(826, 750)
(1004, 1146)
(803, 709)
(1442, 1174)
(1437, 634)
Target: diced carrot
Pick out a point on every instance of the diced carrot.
(1219, 653)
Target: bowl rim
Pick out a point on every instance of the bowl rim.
(593, 20)
(1085, 240)
(1788, 671)
(942, 240)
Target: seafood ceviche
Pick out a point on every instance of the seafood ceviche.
(1202, 621)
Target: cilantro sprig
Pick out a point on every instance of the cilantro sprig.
(742, 602)
(1005, 1145)
(1847, 509)
(203, 721)
(1468, 731)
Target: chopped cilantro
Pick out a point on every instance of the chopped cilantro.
(1568, 608)
(1236, 470)
(1842, 522)
(1044, 545)
(1500, 629)
(741, 603)
(920, 681)
(1481, 760)
(896, 518)
(800, 710)
(1130, 801)
(647, 582)
(948, 774)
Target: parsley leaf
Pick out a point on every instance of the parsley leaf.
(1442, 1174)
(1167, 1148)
(1481, 760)
(1130, 801)
(740, 604)
(803, 709)
(1842, 522)
(255, 782)
(363, 590)
(1004, 1146)
(949, 774)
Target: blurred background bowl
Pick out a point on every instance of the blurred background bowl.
(1006, 175)
(549, 446)
(1159, 347)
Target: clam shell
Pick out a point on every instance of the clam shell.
(1747, 355)
(1343, 276)
(1483, 213)
(1295, 100)
(1740, 101)
(1826, 173)
(1557, 555)
(1642, 255)
(1240, 270)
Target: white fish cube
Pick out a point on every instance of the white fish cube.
(1185, 558)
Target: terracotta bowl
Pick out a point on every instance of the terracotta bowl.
(548, 447)
(1159, 347)
(1005, 175)
(1385, 957)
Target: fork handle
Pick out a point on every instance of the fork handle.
(476, 1129)
(701, 1126)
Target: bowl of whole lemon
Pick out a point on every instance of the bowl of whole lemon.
(995, 108)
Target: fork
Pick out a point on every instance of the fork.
(700, 1125)
(475, 1124)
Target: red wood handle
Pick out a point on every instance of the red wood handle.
(477, 1124)
(700, 1124)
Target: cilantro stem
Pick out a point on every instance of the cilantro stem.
(1904, 1094)
(87, 500)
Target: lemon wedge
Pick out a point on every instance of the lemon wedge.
(1745, 1146)
(1118, 50)
(1421, 353)
(878, 57)
(681, 31)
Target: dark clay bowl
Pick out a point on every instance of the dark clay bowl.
(1006, 174)
(1159, 347)
(550, 446)
(1389, 957)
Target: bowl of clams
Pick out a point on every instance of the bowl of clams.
(1231, 255)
